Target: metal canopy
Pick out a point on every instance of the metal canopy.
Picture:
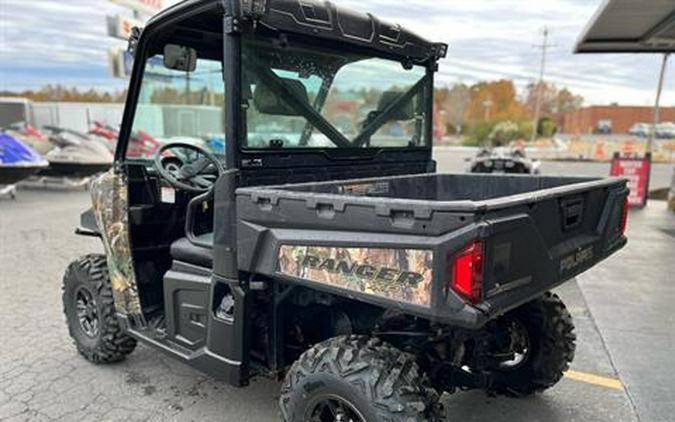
(630, 26)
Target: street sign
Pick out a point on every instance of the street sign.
(636, 170)
(120, 26)
(148, 7)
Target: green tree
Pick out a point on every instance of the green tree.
(547, 127)
(479, 133)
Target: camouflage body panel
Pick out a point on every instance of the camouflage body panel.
(402, 275)
(109, 194)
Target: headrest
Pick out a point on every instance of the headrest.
(267, 101)
(404, 112)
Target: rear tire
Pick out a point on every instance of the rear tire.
(90, 312)
(551, 339)
(366, 379)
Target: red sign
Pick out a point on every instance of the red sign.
(142, 6)
(120, 26)
(636, 170)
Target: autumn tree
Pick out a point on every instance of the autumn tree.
(454, 101)
(567, 101)
(553, 99)
(494, 101)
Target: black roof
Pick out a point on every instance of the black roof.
(319, 19)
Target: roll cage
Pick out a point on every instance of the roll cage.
(216, 29)
(312, 112)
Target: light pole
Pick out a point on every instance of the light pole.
(487, 105)
(657, 104)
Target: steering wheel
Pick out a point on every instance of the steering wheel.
(190, 176)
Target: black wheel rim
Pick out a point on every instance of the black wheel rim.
(86, 311)
(520, 346)
(332, 408)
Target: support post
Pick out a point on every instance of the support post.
(657, 105)
(232, 77)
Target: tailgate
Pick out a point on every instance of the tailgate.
(536, 243)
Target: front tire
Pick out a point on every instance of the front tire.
(359, 379)
(548, 333)
(90, 312)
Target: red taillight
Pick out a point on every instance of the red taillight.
(466, 271)
(624, 216)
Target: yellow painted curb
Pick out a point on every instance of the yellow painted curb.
(594, 379)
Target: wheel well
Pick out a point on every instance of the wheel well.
(287, 320)
(451, 357)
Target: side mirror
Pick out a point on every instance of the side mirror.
(178, 57)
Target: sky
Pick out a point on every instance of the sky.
(65, 41)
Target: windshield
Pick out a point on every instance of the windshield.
(303, 98)
(175, 105)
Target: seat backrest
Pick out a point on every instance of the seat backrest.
(191, 215)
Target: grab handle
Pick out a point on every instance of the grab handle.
(572, 213)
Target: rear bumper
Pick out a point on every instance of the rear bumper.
(334, 261)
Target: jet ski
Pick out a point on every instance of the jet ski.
(30, 136)
(18, 161)
(503, 160)
(141, 143)
(104, 131)
(104, 134)
(76, 154)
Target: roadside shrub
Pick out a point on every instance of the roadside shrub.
(525, 130)
(504, 132)
(547, 127)
(478, 133)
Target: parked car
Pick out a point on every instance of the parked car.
(665, 130)
(604, 127)
(640, 130)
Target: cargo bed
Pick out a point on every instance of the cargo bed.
(536, 231)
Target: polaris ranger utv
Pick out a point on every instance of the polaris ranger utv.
(320, 246)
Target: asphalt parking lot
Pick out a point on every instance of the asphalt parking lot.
(622, 309)
(453, 160)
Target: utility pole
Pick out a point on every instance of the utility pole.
(540, 85)
(657, 104)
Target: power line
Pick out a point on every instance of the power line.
(537, 108)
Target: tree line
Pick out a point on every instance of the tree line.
(472, 111)
(475, 111)
(50, 93)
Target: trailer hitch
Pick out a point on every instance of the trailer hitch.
(449, 378)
